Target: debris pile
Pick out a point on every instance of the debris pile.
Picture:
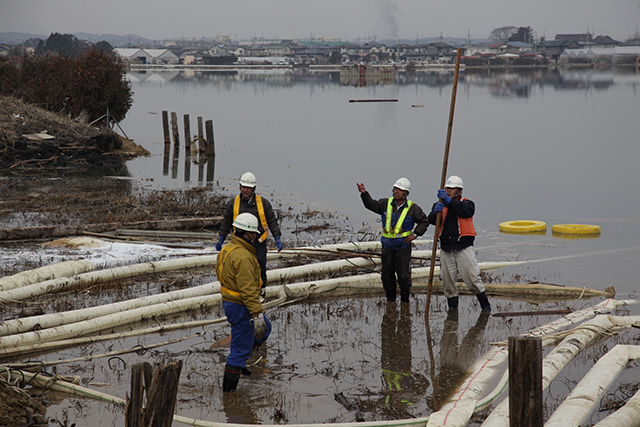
(35, 140)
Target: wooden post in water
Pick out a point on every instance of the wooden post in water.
(201, 141)
(187, 134)
(162, 389)
(211, 151)
(165, 127)
(176, 135)
(525, 382)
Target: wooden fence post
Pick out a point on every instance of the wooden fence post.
(201, 142)
(162, 389)
(165, 127)
(525, 382)
(211, 150)
(187, 134)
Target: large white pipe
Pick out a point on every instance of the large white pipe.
(491, 365)
(577, 407)
(576, 340)
(45, 321)
(200, 296)
(60, 269)
(627, 416)
(66, 283)
(14, 326)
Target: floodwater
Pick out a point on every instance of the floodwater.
(559, 146)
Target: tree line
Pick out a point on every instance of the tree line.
(69, 76)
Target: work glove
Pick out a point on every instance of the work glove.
(278, 243)
(438, 207)
(220, 242)
(442, 194)
(259, 327)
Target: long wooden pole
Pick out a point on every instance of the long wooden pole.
(442, 181)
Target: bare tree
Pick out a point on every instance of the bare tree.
(502, 34)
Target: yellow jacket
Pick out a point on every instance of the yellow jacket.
(239, 274)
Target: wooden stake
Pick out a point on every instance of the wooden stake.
(525, 382)
(443, 180)
(187, 134)
(165, 127)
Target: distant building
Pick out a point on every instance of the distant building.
(147, 56)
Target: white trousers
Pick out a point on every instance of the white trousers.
(461, 264)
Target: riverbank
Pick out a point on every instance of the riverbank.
(36, 140)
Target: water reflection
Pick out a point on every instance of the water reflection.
(402, 386)
(456, 358)
(238, 408)
(196, 151)
(501, 82)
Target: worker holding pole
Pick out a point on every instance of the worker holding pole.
(457, 255)
(239, 275)
(399, 217)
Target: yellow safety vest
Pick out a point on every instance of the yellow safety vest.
(263, 218)
(397, 231)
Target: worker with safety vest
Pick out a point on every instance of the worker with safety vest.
(249, 201)
(399, 217)
(457, 234)
(239, 275)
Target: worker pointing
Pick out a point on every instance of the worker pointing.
(399, 217)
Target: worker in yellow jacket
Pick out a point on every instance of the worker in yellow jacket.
(239, 275)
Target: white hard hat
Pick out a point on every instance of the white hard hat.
(403, 184)
(454, 181)
(247, 222)
(248, 180)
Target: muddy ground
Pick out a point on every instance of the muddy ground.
(319, 349)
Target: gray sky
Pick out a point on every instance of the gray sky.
(346, 19)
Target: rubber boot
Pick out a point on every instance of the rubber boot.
(231, 377)
(484, 302)
(404, 295)
(452, 303)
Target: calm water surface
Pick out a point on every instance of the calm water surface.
(559, 146)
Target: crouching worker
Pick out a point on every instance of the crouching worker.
(239, 275)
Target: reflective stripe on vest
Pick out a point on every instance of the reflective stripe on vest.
(263, 218)
(397, 231)
(465, 225)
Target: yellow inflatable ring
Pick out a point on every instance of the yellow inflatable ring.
(523, 227)
(582, 229)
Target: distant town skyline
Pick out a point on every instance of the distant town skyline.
(348, 20)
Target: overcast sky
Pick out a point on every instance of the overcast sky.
(346, 19)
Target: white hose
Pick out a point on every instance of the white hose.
(576, 340)
(60, 269)
(628, 415)
(585, 396)
(456, 411)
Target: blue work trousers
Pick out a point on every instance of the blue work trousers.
(242, 331)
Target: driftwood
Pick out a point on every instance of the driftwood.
(20, 233)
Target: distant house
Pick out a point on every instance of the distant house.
(134, 55)
(147, 56)
(583, 38)
(162, 56)
(606, 41)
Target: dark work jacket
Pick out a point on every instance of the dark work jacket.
(415, 216)
(450, 239)
(251, 207)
